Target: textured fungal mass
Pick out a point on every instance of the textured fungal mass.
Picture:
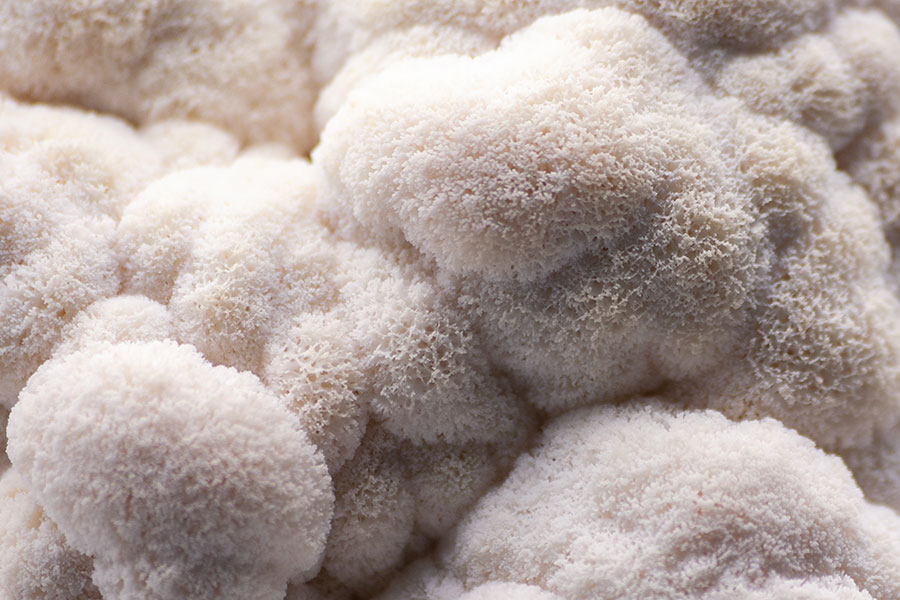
(449, 299)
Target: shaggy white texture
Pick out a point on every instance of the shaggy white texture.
(36, 562)
(279, 320)
(240, 64)
(181, 479)
(643, 502)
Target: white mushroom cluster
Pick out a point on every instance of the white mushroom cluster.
(449, 300)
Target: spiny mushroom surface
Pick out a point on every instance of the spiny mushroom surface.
(469, 300)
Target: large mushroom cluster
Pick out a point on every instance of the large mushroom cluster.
(449, 299)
